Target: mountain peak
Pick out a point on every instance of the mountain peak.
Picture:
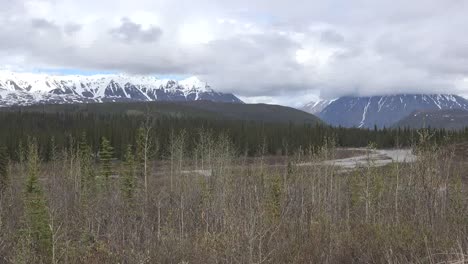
(384, 111)
(194, 82)
(317, 106)
(33, 88)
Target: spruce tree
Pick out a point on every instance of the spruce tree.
(21, 153)
(86, 165)
(4, 177)
(140, 149)
(53, 157)
(36, 215)
(128, 179)
(106, 154)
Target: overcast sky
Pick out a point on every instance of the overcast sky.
(271, 51)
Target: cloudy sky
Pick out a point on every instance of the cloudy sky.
(272, 51)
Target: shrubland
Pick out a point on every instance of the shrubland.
(212, 203)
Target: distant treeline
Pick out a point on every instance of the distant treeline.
(250, 137)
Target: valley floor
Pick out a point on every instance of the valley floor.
(375, 157)
(331, 206)
(345, 159)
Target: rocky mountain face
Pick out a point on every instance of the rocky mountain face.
(449, 119)
(316, 107)
(385, 111)
(30, 89)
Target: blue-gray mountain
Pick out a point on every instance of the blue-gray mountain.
(30, 89)
(455, 119)
(385, 111)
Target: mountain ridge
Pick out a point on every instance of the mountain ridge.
(385, 111)
(36, 88)
(317, 106)
(454, 119)
(185, 109)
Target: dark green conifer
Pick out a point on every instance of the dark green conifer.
(4, 177)
(106, 154)
(36, 215)
(86, 164)
(128, 179)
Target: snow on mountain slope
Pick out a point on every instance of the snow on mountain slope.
(33, 88)
(384, 111)
(316, 107)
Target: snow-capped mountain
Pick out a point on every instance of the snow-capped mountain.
(32, 88)
(385, 111)
(316, 107)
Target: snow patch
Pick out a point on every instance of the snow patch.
(365, 113)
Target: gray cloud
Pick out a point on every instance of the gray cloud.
(129, 31)
(331, 37)
(72, 28)
(273, 50)
(255, 65)
(43, 24)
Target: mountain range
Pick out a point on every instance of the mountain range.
(24, 89)
(381, 111)
(33, 88)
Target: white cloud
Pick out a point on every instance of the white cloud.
(274, 51)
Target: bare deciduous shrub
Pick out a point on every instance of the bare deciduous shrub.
(217, 206)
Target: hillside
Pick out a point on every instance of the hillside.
(448, 119)
(199, 109)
